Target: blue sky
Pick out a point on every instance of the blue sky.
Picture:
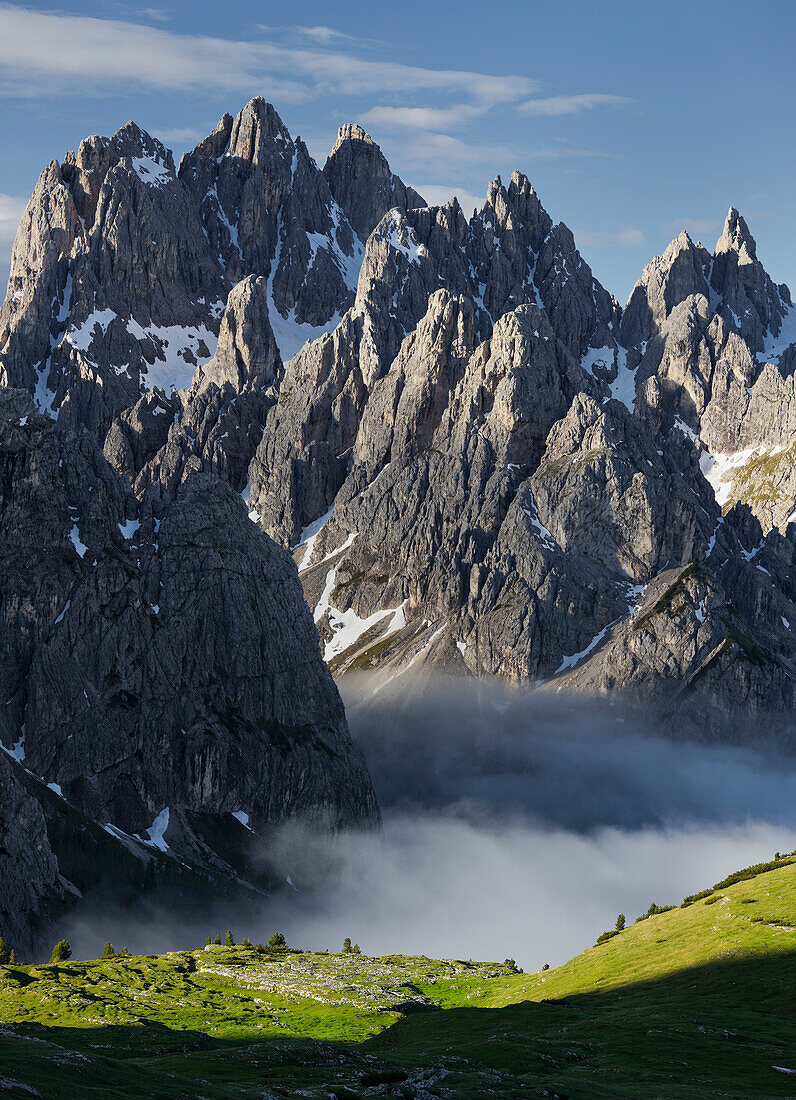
(632, 120)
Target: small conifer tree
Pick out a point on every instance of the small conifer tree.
(620, 922)
(107, 951)
(12, 957)
(5, 953)
(218, 939)
(347, 945)
(277, 940)
(61, 952)
(229, 940)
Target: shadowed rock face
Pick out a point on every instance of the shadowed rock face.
(360, 179)
(159, 654)
(30, 887)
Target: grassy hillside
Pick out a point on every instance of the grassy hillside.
(693, 1002)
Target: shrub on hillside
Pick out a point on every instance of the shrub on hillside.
(61, 952)
(605, 936)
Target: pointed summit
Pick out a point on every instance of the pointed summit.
(679, 272)
(351, 132)
(749, 301)
(254, 131)
(360, 180)
(737, 238)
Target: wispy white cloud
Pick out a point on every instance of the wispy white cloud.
(424, 118)
(571, 104)
(697, 227)
(323, 35)
(160, 15)
(626, 236)
(43, 52)
(178, 136)
(437, 194)
(425, 151)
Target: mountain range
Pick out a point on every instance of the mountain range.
(480, 463)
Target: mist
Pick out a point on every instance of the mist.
(515, 826)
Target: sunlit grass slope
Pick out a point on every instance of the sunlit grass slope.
(694, 1002)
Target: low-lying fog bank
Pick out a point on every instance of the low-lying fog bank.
(513, 827)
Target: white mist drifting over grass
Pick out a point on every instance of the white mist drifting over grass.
(452, 888)
(514, 827)
(519, 825)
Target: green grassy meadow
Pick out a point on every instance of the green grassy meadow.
(697, 1001)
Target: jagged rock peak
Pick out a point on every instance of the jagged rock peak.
(130, 140)
(680, 271)
(520, 182)
(216, 141)
(351, 131)
(518, 201)
(253, 127)
(361, 181)
(737, 238)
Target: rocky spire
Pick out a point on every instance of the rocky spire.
(362, 183)
(736, 237)
(680, 271)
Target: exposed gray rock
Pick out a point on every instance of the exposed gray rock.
(113, 285)
(360, 179)
(218, 422)
(31, 889)
(493, 261)
(484, 463)
(121, 270)
(701, 658)
(267, 210)
(158, 655)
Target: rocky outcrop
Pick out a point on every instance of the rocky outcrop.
(122, 267)
(714, 339)
(31, 890)
(507, 255)
(153, 652)
(266, 209)
(158, 658)
(360, 179)
(706, 660)
(478, 458)
(216, 424)
(113, 285)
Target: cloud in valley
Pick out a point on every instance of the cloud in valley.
(512, 828)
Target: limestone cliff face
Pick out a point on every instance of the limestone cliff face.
(122, 266)
(31, 889)
(159, 653)
(478, 458)
(360, 179)
(159, 660)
